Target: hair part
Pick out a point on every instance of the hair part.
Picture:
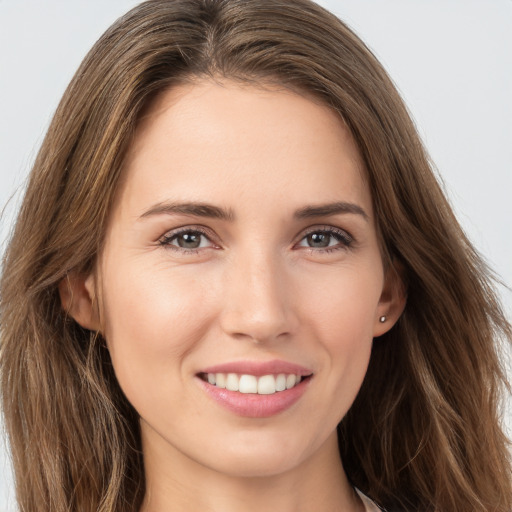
(424, 432)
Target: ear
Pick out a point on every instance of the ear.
(77, 297)
(392, 301)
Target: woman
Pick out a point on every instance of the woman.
(234, 283)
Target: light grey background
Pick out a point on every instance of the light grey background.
(451, 59)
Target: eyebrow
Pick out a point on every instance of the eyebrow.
(325, 210)
(196, 209)
(200, 209)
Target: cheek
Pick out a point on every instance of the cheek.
(343, 322)
(151, 322)
(346, 305)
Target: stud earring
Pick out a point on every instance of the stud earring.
(382, 319)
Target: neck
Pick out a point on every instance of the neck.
(176, 482)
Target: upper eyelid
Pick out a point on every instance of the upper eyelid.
(213, 237)
(166, 239)
(166, 242)
(187, 229)
(313, 229)
(325, 228)
(344, 238)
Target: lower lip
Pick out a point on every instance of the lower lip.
(252, 405)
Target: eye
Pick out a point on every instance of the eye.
(327, 239)
(187, 240)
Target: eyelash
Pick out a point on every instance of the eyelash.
(342, 236)
(166, 240)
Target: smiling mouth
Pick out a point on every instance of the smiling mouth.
(261, 385)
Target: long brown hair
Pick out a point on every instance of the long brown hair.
(424, 432)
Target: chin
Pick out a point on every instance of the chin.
(257, 465)
(265, 455)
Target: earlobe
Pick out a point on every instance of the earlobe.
(77, 296)
(392, 301)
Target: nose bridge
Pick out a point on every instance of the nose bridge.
(257, 301)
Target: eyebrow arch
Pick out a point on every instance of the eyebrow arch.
(324, 210)
(195, 209)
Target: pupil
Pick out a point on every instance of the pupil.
(318, 240)
(189, 240)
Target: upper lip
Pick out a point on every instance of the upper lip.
(259, 368)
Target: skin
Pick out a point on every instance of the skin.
(257, 288)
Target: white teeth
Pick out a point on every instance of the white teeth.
(220, 380)
(248, 384)
(232, 382)
(290, 381)
(264, 385)
(281, 382)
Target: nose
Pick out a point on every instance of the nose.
(257, 301)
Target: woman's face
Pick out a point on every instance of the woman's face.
(242, 252)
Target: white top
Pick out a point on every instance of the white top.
(369, 505)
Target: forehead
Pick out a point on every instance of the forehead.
(230, 138)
